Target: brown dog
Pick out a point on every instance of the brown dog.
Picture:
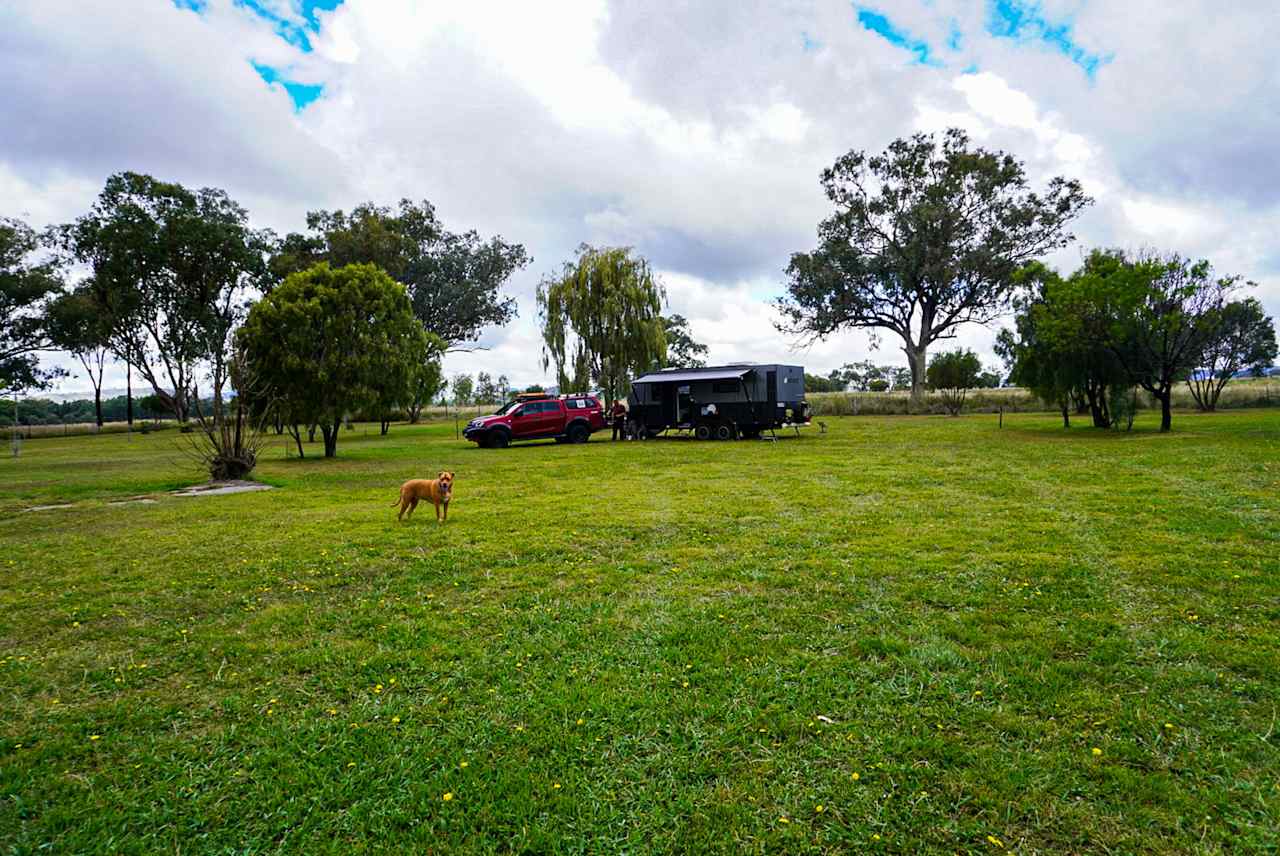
(439, 491)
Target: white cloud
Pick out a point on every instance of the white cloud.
(694, 132)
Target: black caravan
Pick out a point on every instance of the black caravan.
(722, 402)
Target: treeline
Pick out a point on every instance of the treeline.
(1086, 343)
(935, 232)
(232, 327)
(43, 411)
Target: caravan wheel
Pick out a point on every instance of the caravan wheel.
(703, 431)
(724, 431)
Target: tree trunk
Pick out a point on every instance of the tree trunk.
(128, 366)
(1166, 411)
(97, 403)
(331, 438)
(311, 432)
(385, 425)
(1066, 417)
(917, 358)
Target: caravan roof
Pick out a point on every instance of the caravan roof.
(686, 375)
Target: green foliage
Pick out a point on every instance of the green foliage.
(1157, 316)
(428, 378)
(1122, 405)
(326, 342)
(454, 281)
(996, 608)
(463, 389)
(170, 269)
(952, 374)
(925, 237)
(817, 383)
(1240, 336)
(26, 286)
(682, 350)
(76, 325)
(1060, 350)
(486, 389)
(601, 321)
(878, 385)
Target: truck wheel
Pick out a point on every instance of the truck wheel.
(498, 439)
(703, 431)
(724, 431)
(578, 433)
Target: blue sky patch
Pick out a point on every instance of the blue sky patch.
(296, 33)
(1025, 21)
(301, 93)
(894, 35)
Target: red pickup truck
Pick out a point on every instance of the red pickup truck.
(568, 419)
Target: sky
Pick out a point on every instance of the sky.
(692, 131)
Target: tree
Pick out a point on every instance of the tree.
(454, 280)
(75, 325)
(953, 373)
(170, 270)
(463, 388)
(601, 320)
(428, 378)
(1240, 336)
(682, 350)
(925, 237)
(818, 383)
(329, 341)
(26, 286)
(486, 392)
(504, 388)
(1059, 348)
(1161, 312)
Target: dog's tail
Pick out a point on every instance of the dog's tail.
(397, 502)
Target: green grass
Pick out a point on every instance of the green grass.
(923, 625)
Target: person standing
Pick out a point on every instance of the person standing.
(619, 414)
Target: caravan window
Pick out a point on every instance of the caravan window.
(724, 387)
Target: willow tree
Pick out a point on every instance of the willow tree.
(601, 320)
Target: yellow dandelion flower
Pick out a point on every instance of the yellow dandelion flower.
(395, 720)
(783, 819)
(1168, 725)
(463, 765)
(685, 684)
(448, 796)
(93, 737)
(581, 720)
(556, 786)
(875, 836)
(996, 841)
(855, 777)
(819, 808)
(270, 711)
(1096, 751)
(333, 712)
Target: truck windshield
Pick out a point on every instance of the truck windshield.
(506, 408)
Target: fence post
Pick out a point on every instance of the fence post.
(1002, 416)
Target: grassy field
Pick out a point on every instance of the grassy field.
(905, 635)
